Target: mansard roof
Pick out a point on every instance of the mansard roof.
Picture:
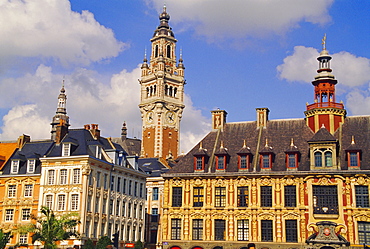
(279, 134)
(29, 151)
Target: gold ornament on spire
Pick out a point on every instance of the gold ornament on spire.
(323, 42)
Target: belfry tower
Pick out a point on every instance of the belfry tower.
(61, 113)
(325, 111)
(162, 94)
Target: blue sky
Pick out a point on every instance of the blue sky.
(239, 55)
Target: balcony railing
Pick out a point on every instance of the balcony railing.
(325, 104)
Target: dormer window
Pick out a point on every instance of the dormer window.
(15, 167)
(199, 163)
(98, 150)
(323, 158)
(244, 157)
(266, 161)
(353, 155)
(31, 165)
(221, 162)
(266, 157)
(292, 156)
(66, 150)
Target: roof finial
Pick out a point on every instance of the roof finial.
(222, 144)
(201, 146)
(164, 7)
(267, 143)
(353, 140)
(323, 42)
(244, 144)
(292, 142)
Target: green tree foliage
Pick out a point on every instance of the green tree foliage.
(49, 228)
(4, 238)
(103, 242)
(89, 244)
(139, 245)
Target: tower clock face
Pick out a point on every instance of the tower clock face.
(170, 117)
(149, 117)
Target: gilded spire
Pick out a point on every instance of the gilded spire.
(323, 42)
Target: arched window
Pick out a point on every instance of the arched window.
(168, 51)
(155, 89)
(170, 92)
(174, 92)
(318, 159)
(166, 90)
(328, 159)
(147, 92)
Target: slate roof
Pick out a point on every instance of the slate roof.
(152, 166)
(279, 134)
(30, 150)
(131, 145)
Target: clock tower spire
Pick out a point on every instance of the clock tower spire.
(162, 94)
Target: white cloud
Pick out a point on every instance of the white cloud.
(88, 101)
(349, 70)
(241, 18)
(50, 29)
(359, 102)
(25, 119)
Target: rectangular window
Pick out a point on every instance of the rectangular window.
(243, 162)
(23, 238)
(98, 175)
(243, 230)
(364, 232)
(12, 190)
(197, 229)
(292, 161)
(76, 176)
(362, 196)
(111, 206)
(123, 208)
(129, 187)
(220, 196)
(291, 231)
(220, 228)
(266, 196)
(28, 190)
(220, 162)
(66, 149)
(198, 196)
(104, 206)
(105, 181)
(199, 163)
(176, 196)
(353, 159)
(141, 190)
(74, 202)
(175, 229)
(51, 177)
(88, 203)
(266, 230)
(15, 166)
(266, 161)
(135, 189)
(97, 201)
(118, 189)
(124, 186)
(49, 201)
(9, 214)
(290, 196)
(26, 214)
(112, 183)
(63, 176)
(31, 165)
(154, 217)
(61, 202)
(118, 204)
(129, 210)
(325, 199)
(243, 196)
(155, 194)
(91, 178)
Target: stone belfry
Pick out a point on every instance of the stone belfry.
(325, 111)
(162, 94)
(60, 116)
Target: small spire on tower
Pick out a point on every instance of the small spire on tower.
(323, 42)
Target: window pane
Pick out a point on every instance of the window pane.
(243, 230)
(364, 232)
(176, 196)
(155, 194)
(265, 161)
(175, 229)
(291, 160)
(291, 231)
(325, 199)
(242, 196)
(197, 229)
(12, 190)
(318, 159)
(328, 159)
(266, 230)
(220, 226)
(353, 159)
(63, 176)
(28, 190)
(362, 196)
(290, 196)
(243, 162)
(220, 196)
(198, 196)
(266, 196)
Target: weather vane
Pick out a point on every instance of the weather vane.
(324, 42)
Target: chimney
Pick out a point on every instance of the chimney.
(218, 119)
(95, 132)
(22, 140)
(262, 117)
(61, 131)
